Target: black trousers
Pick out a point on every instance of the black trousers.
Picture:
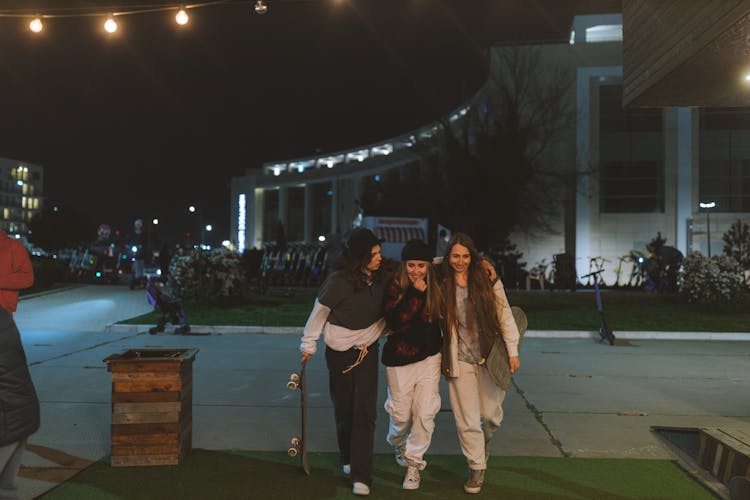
(354, 395)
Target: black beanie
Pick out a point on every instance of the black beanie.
(416, 250)
(360, 243)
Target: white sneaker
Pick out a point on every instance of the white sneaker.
(360, 489)
(400, 458)
(412, 479)
(347, 469)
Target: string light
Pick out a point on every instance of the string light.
(110, 25)
(182, 18)
(36, 25)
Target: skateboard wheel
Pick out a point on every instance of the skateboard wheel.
(292, 385)
(296, 442)
(292, 452)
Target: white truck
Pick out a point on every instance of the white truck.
(395, 232)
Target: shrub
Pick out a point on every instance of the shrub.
(207, 275)
(710, 279)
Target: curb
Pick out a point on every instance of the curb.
(548, 334)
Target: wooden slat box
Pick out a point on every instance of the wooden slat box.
(725, 452)
(152, 401)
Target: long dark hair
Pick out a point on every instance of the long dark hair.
(481, 305)
(354, 266)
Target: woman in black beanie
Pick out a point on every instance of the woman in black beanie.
(411, 355)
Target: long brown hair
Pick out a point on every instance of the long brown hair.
(481, 306)
(433, 310)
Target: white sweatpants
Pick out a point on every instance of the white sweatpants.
(477, 404)
(413, 401)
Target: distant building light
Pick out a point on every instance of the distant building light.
(572, 37)
(241, 215)
(360, 155)
(377, 178)
(19, 182)
(382, 150)
(321, 238)
(604, 33)
(330, 161)
(226, 243)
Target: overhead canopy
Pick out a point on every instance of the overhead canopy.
(686, 53)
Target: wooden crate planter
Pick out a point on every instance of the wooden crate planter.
(725, 453)
(152, 399)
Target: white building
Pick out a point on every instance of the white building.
(21, 194)
(639, 171)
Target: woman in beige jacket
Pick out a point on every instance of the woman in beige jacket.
(478, 317)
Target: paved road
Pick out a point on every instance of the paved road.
(572, 396)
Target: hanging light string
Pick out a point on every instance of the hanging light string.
(114, 11)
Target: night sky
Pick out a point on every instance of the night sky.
(157, 117)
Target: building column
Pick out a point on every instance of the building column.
(307, 231)
(335, 199)
(256, 218)
(586, 126)
(685, 160)
(284, 208)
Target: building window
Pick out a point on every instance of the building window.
(631, 165)
(725, 159)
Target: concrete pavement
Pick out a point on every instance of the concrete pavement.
(573, 396)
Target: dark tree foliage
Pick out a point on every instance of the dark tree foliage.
(507, 178)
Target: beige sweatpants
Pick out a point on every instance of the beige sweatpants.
(413, 401)
(477, 404)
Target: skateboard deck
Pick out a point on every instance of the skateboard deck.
(521, 322)
(298, 443)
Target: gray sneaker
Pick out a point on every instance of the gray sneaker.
(475, 481)
(411, 479)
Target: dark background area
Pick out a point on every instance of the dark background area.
(157, 117)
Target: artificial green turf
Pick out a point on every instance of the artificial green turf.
(268, 475)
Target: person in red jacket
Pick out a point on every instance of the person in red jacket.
(19, 405)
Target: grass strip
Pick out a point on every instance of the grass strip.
(625, 311)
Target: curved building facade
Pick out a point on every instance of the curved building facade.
(636, 172)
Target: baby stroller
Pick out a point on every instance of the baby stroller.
(171, 310)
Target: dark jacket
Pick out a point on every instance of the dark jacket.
(19, 406)
(414, 336)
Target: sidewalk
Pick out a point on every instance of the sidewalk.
(572, 396)
(541, 334)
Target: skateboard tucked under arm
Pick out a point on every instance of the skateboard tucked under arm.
(298, 444)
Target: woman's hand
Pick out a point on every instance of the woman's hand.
(515, 364)
(418, 283)
(306, 357)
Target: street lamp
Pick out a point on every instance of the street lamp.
(706, 206)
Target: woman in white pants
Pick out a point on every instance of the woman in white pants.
(412, 356)
(477, 317)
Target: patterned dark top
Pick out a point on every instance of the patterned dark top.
(414, 337)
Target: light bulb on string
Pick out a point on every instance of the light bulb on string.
(110, 26)
(261, 7)
(181, 17)
(36, 25)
